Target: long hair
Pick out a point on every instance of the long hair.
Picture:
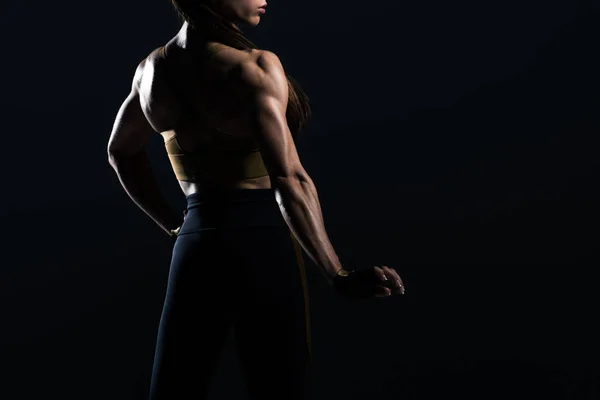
(199, 15)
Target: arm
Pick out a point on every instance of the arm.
(295, 191)
(127, 155)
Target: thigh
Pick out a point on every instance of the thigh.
(272, 328)
(195, 320)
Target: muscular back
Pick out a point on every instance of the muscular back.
(199, 97)
(239, 99)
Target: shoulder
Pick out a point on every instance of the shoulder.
(264, 62)
(151, 70)
(266, 59)
(262, 69)
(151, 84)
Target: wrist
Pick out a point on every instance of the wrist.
(341, 272)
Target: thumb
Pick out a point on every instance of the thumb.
(381, 291)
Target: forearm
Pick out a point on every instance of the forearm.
(138, 180)
(300, 207)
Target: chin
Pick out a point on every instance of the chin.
(253, 21)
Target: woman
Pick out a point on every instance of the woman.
(227, 111)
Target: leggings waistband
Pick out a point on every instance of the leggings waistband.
(225, 196)
(232, 208)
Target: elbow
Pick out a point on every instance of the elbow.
(297, 176)
(119, 155)
(297, 183)
(112, 157)
(111, 152)
(301, 176)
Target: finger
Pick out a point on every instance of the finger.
(380, 273)
(402, 288)
(392, 276)
(398, 284)
(391, 273)
(381, 291)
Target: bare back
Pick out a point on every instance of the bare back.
(217, 111)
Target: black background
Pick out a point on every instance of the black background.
(454, 141)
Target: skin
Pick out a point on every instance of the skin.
(243, 12)
(226, 93)
(144, 113)
(217, 97)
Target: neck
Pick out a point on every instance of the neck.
(190, 37)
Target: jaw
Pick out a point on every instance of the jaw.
(249, 20)
(253, 21)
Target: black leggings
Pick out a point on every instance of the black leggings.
(235, 265)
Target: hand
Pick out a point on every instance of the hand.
(364, 283)
(174, 232)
